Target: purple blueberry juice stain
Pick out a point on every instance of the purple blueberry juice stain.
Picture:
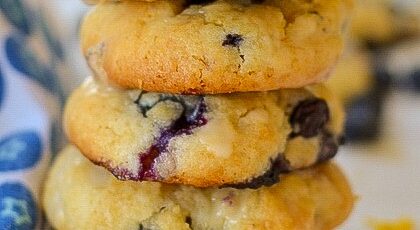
(228, 200)
(189, 120)
(146, 161)
(192, 117)
(120, 173)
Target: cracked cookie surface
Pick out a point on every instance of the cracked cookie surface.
(216, 46)
(80, 195)
(239, 140)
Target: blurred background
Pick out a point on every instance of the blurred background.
(378, 80)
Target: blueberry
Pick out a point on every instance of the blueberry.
(146, 101)
(363, 117)
(383, 79)
(233, 40)
(309, 117)
(329, 147)
(373, 45)
(269, 178)
(188, 220)
(415, 79)
(146, 104)
(141, 227)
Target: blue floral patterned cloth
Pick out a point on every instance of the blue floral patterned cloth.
(32, 94)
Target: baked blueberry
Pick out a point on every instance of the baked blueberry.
(233, 40)
(363, 117)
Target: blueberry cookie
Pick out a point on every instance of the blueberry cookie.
(79, 195)
(373, 21)
(241, 139)
(353, 75)
(208, 47)
(379, 24)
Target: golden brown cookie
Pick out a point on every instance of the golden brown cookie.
(353, 76)
(380, 24)
(217, 47)
(79, 195)
(241, 139)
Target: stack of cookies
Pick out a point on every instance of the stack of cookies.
(204, 115)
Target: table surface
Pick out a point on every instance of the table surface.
(386, 174)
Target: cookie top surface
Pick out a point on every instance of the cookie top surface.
(218, 47)
(210, 140)
(79, 195)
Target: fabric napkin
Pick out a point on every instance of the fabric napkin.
(38, 48)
